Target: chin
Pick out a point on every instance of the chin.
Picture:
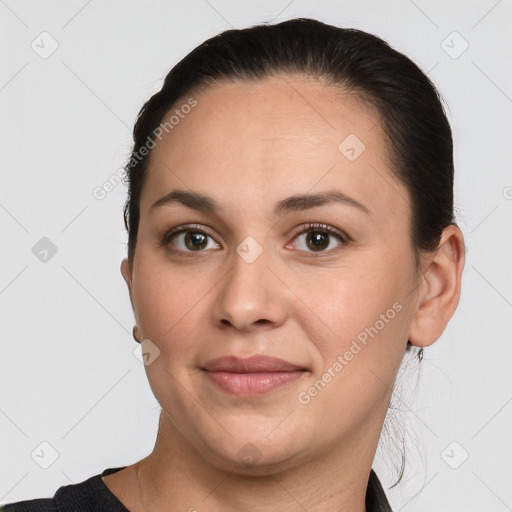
(251, 461)
(254, 456)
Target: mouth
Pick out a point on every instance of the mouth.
(256, 375)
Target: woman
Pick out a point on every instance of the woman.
(291, 236)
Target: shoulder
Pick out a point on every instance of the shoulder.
(91, 495)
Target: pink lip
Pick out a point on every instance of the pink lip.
(253, 364)
(253, 376)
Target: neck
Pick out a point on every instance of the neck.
(175, 473)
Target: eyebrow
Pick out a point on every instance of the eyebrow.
(293, 203)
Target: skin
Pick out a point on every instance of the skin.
(248, 146)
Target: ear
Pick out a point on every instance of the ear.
(439, 289)
(126, 271)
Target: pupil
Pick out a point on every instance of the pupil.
(318, 240)
(198, 241)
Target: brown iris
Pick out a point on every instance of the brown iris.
(317, 240)
(195, 241)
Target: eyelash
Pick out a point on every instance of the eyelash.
(317, 227)
(324, 229)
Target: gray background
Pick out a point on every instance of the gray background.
(69, 374)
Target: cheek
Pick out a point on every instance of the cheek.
(165, 302)
(358, 357)
(362, 313)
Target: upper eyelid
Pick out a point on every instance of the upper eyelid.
(312, 226)
(189, 227)
(296, 231)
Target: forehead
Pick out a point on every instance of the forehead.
(283, 135)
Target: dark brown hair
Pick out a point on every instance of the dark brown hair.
(410, 108)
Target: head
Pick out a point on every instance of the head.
(290, 194)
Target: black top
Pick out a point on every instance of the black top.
(92, 495)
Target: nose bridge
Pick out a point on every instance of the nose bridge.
(250, 294)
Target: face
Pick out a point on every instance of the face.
(324, 282)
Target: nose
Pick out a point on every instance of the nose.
(251, 296)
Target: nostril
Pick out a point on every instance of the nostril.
(261, 321)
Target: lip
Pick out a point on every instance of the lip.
(253, 364)
(252, 376)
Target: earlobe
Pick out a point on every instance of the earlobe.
(439, 291)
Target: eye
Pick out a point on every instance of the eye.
(190, 239)
(319, 238)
